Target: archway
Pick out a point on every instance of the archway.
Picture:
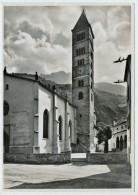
(6, 142)
(121, 143)
(125, 141)
(117, 142)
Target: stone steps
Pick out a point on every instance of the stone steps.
(78, 160)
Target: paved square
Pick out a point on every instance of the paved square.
(67, 176)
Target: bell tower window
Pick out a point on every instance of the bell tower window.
(80, 36)
(80, 97)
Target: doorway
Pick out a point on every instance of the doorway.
(6, 138)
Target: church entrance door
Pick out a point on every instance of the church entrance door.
(6, 138)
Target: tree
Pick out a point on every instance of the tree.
(104, 134)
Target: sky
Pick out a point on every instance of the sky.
(40, 39)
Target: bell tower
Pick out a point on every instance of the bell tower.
(83, 82)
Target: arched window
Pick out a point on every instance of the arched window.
(80, 96)
(6, 87)
(60, 127)
(45, 124)
(117, 142)
(70, 129)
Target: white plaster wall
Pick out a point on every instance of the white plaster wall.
(72, 118)
(45, 102)
(20, 97)
(61, 111)
(110, 145)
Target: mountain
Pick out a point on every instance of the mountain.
(109, 106)
(111, 88)
(60, 77)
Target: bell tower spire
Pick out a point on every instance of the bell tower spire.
(83, 82)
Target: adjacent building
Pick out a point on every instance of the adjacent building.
(127, 78)
(119, 135)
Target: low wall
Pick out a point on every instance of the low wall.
(107, 158)
(38, 158)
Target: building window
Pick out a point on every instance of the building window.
(6, 87)
(117, 128)
(81, 62)
(80, 51)
(45, 124)
(80, 83)
(121, 127)
(80, 36)
(70, 129)
(80, 97)
(60, 127)
(5, 108)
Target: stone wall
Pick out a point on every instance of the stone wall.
(38, 158)
(107, 158)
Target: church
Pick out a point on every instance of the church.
(39, 119)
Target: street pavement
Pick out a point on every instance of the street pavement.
(65, 176)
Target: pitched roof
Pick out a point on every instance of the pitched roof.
(83, 22)
(48, 84)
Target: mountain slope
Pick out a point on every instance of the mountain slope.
(60, 77)
(111, 88)
(109, 106)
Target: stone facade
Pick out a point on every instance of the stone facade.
(83, 82)
(38, 158)
(107, 158)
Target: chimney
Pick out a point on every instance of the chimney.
(36, 76)
(54, 88)
(5, 70)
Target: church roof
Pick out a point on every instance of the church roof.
(48, 84)
(82, 23)
(82, 20)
